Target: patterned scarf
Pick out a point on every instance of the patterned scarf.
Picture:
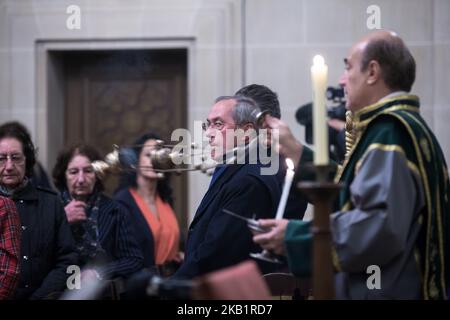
(86, 233)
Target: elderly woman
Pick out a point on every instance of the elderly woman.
(105, 246)
(47, 247)
(148, 198)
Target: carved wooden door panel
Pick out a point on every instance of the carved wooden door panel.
(113, 97)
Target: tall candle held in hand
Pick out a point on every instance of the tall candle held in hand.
(286, 187)
(319, 74)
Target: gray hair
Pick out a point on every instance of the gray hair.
(244, 111)
(266, 99)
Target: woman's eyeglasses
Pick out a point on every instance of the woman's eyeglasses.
(15, 159)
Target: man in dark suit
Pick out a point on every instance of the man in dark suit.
(217, 240)
(267, 100)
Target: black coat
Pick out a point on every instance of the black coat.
(217, 240)
(139, 226)
(47, 246)
(122, 255)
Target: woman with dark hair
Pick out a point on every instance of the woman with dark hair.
(148, 198)
(104, 243)
(47, 246)
(39, 176)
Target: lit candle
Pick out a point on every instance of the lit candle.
(286, 187)
(319, 73)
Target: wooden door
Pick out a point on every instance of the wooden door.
(113, 97)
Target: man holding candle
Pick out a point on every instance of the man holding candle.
(393, 211)
(216, 239)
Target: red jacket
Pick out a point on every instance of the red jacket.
(10, 232)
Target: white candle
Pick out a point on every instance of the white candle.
(319, 73)
(286, 187)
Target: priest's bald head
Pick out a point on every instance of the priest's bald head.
(377, 65)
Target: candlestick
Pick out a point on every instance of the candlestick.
(286, 188)
(319, 73)
(321, 193)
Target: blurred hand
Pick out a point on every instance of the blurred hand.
(89, 275)
(75, 211)
(273, 240)
(179, 258)
(336, 124)
(288, 146)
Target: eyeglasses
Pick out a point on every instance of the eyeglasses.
(15, 159)
(218, 125)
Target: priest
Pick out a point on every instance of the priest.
(393, 212)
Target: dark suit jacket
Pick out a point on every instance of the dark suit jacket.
(122, 254)
(139, 226)
(217, 240)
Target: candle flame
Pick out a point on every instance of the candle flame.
(289, 164)
(318, 60)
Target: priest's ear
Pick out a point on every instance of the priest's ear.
(373, 72)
